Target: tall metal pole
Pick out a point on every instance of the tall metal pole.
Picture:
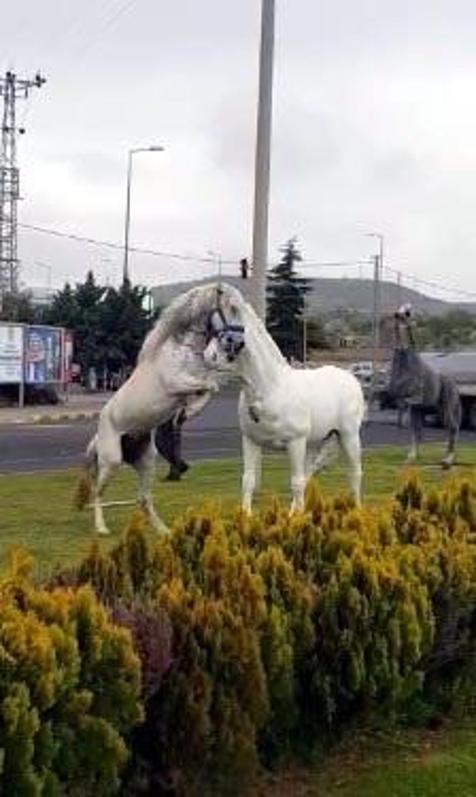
(127, 223)
(125, 270)
(11, 88)
(263, 159)
(304, 341)
(378, 271)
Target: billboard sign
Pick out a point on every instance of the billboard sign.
(11, 354)
(43, 360)
(68, 348)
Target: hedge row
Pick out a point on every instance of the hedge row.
(69, 690)
(258, 637)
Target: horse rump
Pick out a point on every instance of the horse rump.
(451, 408)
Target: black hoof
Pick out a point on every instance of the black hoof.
(173, 476)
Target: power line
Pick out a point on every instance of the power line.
(119, 12)
(119, 247)
(325, 264)
(335, 264)
(432, 284)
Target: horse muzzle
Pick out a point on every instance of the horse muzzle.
(232, 341)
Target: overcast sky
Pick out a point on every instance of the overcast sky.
(374, 130)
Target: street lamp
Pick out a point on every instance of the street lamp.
(153, 148)
(378, 272)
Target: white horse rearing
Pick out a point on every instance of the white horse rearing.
(171, 374)
(297, 409)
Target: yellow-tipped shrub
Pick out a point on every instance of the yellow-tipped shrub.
(69, 687)
(283, 629)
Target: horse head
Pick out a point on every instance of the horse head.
(404, 321)
(406, 365)
(225, 328)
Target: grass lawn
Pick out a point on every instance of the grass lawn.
(37, 512)
(37, 509)
(406, 764)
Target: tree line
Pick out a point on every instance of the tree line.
(110, 324)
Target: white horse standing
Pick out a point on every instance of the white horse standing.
(171, 374)
(301, 410)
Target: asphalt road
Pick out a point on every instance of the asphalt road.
(213, 435)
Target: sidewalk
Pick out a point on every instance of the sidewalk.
(78, 407)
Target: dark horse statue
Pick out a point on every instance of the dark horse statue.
(421, 388)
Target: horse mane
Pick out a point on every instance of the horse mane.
(174, 320)
(265, 338)
(186, 309)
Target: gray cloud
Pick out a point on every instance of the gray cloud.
(374, 128)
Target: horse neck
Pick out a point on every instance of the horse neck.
(261, 362)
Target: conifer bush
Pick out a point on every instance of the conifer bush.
(69, 687)
(258, 636)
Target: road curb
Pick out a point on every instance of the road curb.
(62, 417)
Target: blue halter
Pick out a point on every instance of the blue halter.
(231, 337)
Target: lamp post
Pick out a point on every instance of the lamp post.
(153, 148)
(378, 271)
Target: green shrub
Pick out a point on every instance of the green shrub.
(69, 687)
(281, 631)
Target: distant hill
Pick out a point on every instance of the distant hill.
(330, 295)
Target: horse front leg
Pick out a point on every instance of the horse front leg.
(416, 426)
(297, 456)
(251, 472)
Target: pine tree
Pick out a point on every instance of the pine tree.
(18, 308)
(89, 335)
(109, 324)
(286, 299)
(124, 323)
(64, 311)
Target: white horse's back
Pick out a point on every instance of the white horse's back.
(334, 397)
(311, 402)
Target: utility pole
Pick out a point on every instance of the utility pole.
(304, 341)
(399, 288)
(11, 89)
(263, 159)
(376, 312)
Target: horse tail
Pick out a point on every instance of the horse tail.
(84, 487)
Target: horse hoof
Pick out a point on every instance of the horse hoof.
(104, 532)
(447, 464)
(159, 526)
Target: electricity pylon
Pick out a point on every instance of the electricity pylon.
(11, 89)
